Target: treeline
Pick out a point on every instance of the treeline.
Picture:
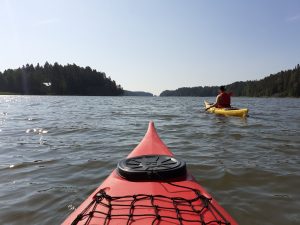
(192, 91)
(137, 93)
(283, 84)
(57, 80)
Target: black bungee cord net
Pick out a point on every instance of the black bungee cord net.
(197, 207)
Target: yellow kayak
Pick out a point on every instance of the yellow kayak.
(227, 111)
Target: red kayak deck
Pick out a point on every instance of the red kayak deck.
(119, 201)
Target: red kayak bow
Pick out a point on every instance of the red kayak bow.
(150, 186)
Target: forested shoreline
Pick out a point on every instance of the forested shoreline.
(57, 79)
(70, 79)
(137, 93)
(282, 84)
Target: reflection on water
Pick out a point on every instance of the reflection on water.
(54, 151)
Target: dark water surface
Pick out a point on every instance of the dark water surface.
(54, 151)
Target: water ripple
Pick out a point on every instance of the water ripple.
(55, 150)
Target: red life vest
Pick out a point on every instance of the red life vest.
(224, 100)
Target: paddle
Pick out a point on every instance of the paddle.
(209, 107)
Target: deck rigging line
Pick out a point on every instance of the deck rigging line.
(178, 209)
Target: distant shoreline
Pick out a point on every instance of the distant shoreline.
(282, 84)
(154, 96)
(72, 80)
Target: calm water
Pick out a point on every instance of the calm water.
(54, 151)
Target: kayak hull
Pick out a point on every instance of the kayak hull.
(175, 201)
(243, 112)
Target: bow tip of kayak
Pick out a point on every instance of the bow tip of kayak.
(151, 124)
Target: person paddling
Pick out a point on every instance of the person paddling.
(223, 99)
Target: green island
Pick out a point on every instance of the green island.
(282, 84)
(57, 80)
(137, 93)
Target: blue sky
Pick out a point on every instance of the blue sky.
(155, 45)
